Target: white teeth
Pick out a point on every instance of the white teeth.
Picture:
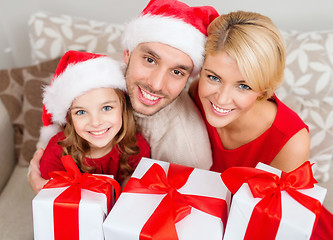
(148, 96)
(221, 110)
(99, 133)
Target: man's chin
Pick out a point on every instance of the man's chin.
(147, 110)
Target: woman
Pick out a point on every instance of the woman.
(247, 123)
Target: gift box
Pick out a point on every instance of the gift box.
(169, 201)
(73, 205)
(271, 204)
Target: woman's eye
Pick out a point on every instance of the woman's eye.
(107, 108)
(80, 112)
(213, 78)
(244, 87)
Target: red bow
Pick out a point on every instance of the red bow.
(65, 206)
(174, 206)
(268, 186)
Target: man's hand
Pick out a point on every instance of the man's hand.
(34, 176)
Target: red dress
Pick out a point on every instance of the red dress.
(109, 164)
(263, 149)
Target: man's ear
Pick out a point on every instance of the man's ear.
(126, 56)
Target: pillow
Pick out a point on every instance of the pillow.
(11, 94)
(308, 90)
(35, 77)
(20, 91)
(51, 35)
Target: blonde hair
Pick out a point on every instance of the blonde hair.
(256, 45)
(125, 140)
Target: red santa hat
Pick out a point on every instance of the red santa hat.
(76, 73)
(173, 23)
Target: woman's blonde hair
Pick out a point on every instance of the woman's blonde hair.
(125, 140)
(256, 45)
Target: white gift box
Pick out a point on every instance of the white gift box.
(92, 213)
(296, 222)
(132, 210)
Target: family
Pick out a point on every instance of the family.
(107, 117)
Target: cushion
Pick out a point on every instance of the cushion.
(20, 91)
(35, 77)
(11, 95)
(7, 158)
(308, 90)
(51, 35)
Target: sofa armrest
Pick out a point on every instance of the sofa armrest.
(7, 156)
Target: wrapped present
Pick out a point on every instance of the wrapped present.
(271, 204)
(169, 201)
(73, 205)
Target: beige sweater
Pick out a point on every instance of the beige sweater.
(177, 134)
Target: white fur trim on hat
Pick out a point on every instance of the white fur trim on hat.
(46, 133)
(168, 30)
(78, 78)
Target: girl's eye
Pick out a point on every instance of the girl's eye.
(80, 112)
(107, 108)
(213, 78)
(244, 87)
(149, 60)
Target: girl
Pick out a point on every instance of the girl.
(246, 122)
(88, 109)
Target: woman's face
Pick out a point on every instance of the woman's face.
(224, 93)
(97, 118)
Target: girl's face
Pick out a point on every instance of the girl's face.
(225, 95)
(97, 118)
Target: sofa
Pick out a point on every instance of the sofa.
(308, 89)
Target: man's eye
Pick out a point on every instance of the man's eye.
(244, 87)
(213, 78)
(80, 112)
(177, 72)
(149, 60)
(107, 108)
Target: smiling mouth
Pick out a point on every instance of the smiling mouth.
(97, 133)
(221, 110)
(148, 96)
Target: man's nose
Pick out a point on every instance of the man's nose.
(157, 80)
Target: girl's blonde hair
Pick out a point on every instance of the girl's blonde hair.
(255, 43)
(125, 140)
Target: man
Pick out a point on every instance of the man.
(164, 47)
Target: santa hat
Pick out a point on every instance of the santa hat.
(173, 23)
(76, 73)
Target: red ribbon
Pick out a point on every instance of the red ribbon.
(65, 206)
(174, 206)
(268, 186)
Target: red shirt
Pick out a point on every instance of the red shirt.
(262, 149)
(109, 164)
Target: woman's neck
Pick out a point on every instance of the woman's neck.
(249, 126)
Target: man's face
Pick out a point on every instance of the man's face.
(156, 74)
